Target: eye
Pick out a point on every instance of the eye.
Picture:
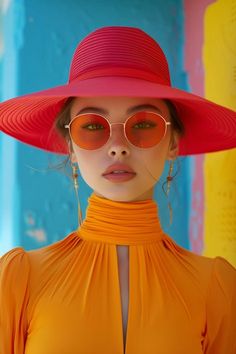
(93, 126)
(144, 124)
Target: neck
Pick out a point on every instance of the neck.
(147, 195)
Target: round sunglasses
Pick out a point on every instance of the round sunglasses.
(91, 131)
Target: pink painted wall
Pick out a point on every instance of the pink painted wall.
(193, 27)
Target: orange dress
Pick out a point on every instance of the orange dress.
(65, 298)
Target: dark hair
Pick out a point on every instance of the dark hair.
(64, 118)
(177, 123)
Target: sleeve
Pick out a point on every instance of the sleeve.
(14, 294)
(220, 335)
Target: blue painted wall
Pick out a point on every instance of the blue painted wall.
(51, 30)
(11, 40)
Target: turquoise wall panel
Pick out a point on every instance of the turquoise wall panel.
(51, 30)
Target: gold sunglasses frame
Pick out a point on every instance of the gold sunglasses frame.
(67, 126)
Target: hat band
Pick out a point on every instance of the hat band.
(124, 71)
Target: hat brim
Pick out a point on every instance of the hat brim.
(209, 127)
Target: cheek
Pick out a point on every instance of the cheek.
(151, 164)
(158, 153)
(88, 161)
(155, 159)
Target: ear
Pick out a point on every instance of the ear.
(173, 149)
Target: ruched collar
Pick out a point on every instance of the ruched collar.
(121, 223)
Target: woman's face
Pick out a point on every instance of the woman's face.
(148, 164)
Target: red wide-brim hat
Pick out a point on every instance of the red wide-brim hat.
(118, 61)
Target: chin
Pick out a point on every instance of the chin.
(123, 196)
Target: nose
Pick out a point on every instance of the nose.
(118, 143)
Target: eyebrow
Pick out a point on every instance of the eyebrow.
(129, 110)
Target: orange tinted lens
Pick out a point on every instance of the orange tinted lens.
(90, 131)
(145, 129)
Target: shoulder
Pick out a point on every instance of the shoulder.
(211, 272)
(188, 260)
(14, 277)
(14, 262)
(223, 267)
(46, 261)
(222, 285)
(18, 263)
(14, 296)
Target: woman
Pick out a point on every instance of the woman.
(118, 284)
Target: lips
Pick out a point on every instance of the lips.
(118, 167)
(119, 177)
(118, 172)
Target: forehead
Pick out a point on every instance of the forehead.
(119, 105)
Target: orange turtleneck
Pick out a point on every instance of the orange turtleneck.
(121, 223)
(65, 298)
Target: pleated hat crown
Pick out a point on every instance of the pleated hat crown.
(125, 51)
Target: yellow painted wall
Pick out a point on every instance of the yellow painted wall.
(219, 57)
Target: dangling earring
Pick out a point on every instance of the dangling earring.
(76, 186)
(169, 179)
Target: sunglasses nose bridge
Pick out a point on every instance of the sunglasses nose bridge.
(111, 124)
